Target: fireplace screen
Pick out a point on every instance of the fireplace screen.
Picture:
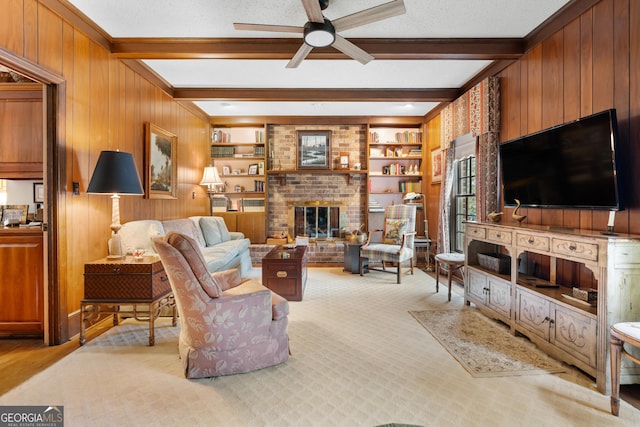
(319, 222)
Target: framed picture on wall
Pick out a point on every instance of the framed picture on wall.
(160, 163)
(314, 149)
(436, 165)
(38, 192)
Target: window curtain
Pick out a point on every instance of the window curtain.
(487, 175)
(443, 243)
(476, 112)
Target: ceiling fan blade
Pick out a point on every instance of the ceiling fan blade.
(350, 49)
(314, 13)
(274, 28)
(367, 16)
(299, 56)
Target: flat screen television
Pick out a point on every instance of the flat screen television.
(568, 166)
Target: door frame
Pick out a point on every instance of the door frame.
(56, 327)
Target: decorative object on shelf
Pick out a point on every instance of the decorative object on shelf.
(610, 224)
(358, 236)
(436, 165)
(344, 160)
(515, 216)
(211, 178)
(161, 149)
(496, 262)
(138, 254)
(253, 169)
(314, 149)
(495, 217)
(115, 174)
(14, 215)
(11, 217)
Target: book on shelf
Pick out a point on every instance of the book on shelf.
(220, 136)
(217, 151)
(251, 205)
(410, 186)
(259, 136)
(375, 206)
(258, 186)
(409, 137)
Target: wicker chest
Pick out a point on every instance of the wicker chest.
(137, 288)
(125, 279)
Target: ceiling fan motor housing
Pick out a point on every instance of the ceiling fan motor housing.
(319, 34)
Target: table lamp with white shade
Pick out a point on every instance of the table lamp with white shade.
(211, 178)
(115, 174)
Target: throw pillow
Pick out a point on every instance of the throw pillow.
(190, 250)
(394, 230)
(185, 226)
(210, 230)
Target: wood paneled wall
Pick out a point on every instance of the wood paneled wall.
(590, 65)
(106, 105)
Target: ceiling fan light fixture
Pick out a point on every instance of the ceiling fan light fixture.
(318, 34)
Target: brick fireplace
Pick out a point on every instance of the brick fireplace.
(299, 188)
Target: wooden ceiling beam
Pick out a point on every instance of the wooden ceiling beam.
(316, 94)
(285, 48)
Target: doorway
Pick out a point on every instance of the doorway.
(52, 169)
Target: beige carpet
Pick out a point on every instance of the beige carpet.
(359, 359)
(484, 347)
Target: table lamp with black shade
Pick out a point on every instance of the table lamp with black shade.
(115, 174)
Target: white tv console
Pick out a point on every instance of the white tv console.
(546, 262)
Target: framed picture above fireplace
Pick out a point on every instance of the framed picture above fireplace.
(314, 149)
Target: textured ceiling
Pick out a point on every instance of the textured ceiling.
(215, 18)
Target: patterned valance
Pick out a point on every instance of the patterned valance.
(477, 111)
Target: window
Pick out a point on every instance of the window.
(464, 200)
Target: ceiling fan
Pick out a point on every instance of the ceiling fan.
(321, 32)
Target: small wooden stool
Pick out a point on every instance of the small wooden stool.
(450, 261)
(621, 333)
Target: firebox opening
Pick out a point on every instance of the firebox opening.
(316, 221)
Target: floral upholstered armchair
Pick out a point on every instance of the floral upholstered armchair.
(228, 325)
(396, 245)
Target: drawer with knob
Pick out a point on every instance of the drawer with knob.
(531, 241)
(574, 248)
(500, 236)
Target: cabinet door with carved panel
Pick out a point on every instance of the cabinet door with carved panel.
(532, 313)
(575, 333)
(499, 296)
(476, 286)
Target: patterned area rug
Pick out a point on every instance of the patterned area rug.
(483, 346)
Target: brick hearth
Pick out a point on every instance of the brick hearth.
(321, 254)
